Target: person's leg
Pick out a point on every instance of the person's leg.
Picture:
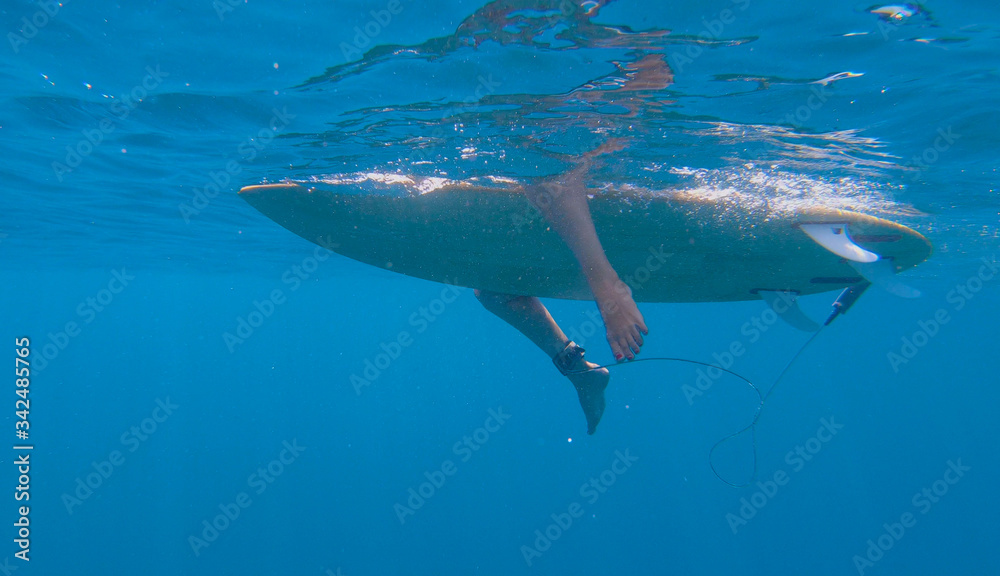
(529, 316)
(563, 202)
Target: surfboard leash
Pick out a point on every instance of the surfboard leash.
(846, 299)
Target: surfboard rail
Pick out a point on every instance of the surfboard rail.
(486, 234)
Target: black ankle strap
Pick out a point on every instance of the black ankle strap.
(568, 359)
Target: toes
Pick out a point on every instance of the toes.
(616, 350)
(625, 347)
(634, 346)
(633, 340)
(629, 347)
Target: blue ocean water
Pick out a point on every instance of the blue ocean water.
(161, 445)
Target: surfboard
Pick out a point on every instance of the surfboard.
(484, 233)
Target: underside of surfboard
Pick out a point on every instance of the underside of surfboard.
(484, 233)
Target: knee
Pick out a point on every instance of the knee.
(493, 300)
(486, 298)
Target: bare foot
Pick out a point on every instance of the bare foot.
(590, 387)
(623, 323)
(574, 179)
(609, 146)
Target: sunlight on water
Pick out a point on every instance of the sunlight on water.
(789, 192)
(498, 130)
(518, 90)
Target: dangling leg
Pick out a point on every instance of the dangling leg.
(530, 317)
(563, 202)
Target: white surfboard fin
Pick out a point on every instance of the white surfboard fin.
(786, 306)
(879, 271)
(834, 237)
(882, 273)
